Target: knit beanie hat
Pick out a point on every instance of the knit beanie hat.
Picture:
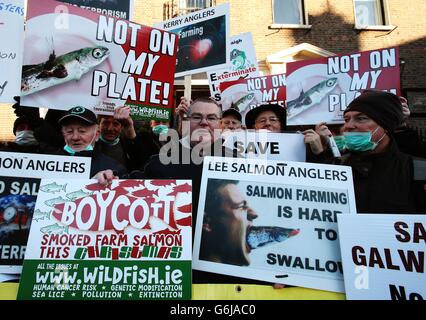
(383, 107)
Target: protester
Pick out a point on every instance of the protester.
(185, 155)
(407, 139)
(118, 138)
(33, 133)
(273, 117)
(383, 176)
(149, 141)
(24, 138)
(231, 120)
(80, 131)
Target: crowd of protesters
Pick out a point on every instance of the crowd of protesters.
(386, 157)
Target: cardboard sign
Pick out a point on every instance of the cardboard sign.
(273, 221)
(32, 165)
(319, 90)
(243, 64)
(122, 9)
(130, 240)
(19, 186)
(267, 145)
(247, 94)
(203, 39)
(11, 35)
(383, 256)
(101, 63)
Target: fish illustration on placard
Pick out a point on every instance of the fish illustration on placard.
(39, 215)
(58, 70)
(242, 103)
(72, 196)
(239, 60)
(53, 187)
(310, 98)
(54, 229)
(261, 236)
(53, 202)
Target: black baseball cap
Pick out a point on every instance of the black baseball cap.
(80, 113)
(232, 112)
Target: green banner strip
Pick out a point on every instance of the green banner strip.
(105, 280)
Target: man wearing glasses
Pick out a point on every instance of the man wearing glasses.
(273, 118)
(183, 159)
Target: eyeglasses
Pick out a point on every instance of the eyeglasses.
(271, 120)
(197, 118)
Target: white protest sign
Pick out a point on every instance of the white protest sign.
(274, 221)
(383, 256)
(128, 240)
(31, 165)
(19, 187)
(267, 145)
(12, 41)
(319, 90)
(75, 57)
(243, 64)
(203, 39)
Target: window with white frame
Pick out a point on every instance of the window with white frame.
(289, 12)
(370, 13)
(193, 5)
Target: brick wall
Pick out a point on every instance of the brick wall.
(332, 29)
(7, 117)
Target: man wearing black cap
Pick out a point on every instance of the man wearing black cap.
(231, 120)
(80, 131)
(383, 176)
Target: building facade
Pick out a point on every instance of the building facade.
(289, 30)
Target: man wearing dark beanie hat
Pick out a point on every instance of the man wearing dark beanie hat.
(383, 107)
(383, 177)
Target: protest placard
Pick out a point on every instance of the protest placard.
(267, 145)
(383, 256)
(203, 39)
(247, 94)
(19, 186)
(75, 57)
(130, 240)
(122, 9)
(319, 90)
(273, 221)
(243, 64)
(11, 35)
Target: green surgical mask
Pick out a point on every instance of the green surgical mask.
(72, 152)
(160, 129)
(361, 141)
(111, 143)
(340, 142)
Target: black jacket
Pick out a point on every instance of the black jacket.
(101, 162)
(384, 183)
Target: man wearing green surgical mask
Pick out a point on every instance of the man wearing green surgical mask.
(80, 131)
(384, 178)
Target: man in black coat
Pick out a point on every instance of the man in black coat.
(384, 179)
(80, 131)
